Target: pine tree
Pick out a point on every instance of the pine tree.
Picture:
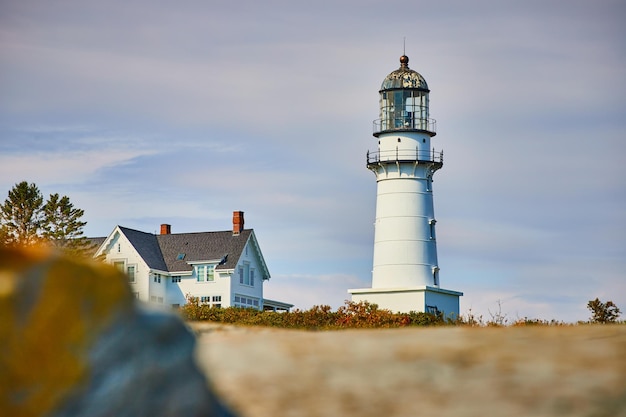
(62, 226)
(25, 220)
(21, 215)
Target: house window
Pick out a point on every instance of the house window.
(119, 248)
(157, 278)
(153, 298)
(160, 300)
(211, 300)
(130, 271)
(175, 305)
(136, 294)
(176, 278)
(246, 274)
(246, 302)
(205, 273)
(200, 273)
(119, 265)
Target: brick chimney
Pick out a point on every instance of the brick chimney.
(237, 222)
(166, 229)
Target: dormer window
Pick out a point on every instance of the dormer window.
(205, 273)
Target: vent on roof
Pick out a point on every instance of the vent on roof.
(180, 257)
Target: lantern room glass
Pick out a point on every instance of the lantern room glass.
(403, 109)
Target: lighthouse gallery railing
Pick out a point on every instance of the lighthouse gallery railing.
(405, 123)
(405, 155)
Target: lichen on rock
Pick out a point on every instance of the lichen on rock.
(74, 342)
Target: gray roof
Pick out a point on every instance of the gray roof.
(202, 246)
(162, 251)
(147, 246)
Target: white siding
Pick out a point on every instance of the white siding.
(119, 249)
(249, 261)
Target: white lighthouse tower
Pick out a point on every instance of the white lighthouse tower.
(405, 276)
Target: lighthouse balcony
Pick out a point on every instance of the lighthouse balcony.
(405, 124)
(432, 157)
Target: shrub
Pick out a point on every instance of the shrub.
(351, 315)
(536, 322)
(603, 312)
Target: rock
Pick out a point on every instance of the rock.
(73, 342)
(443, 372)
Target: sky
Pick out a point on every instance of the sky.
(149, 112)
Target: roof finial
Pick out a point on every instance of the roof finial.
(404, 60)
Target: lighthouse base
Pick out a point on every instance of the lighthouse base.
(403, 300)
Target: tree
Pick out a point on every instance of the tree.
(62, 226)
(603, 312)
(25, 220)
(21, 215)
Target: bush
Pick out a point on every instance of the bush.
(352, 315)
(364, 315)
(603, 312)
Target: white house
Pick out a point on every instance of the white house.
(221, 269)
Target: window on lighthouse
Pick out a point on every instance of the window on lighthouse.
(416, 106)
(404, 109)
(432, 228)
(436, 275)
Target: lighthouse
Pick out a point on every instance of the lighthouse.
(405, 274)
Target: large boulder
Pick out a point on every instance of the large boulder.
(73, 342)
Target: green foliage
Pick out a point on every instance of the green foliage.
(25, 220)
(361, 315)
(603, 312)
(536, 322)
(364, 315)
(62, 226)
(21, 215)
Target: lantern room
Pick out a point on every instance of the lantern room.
(404, 102)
